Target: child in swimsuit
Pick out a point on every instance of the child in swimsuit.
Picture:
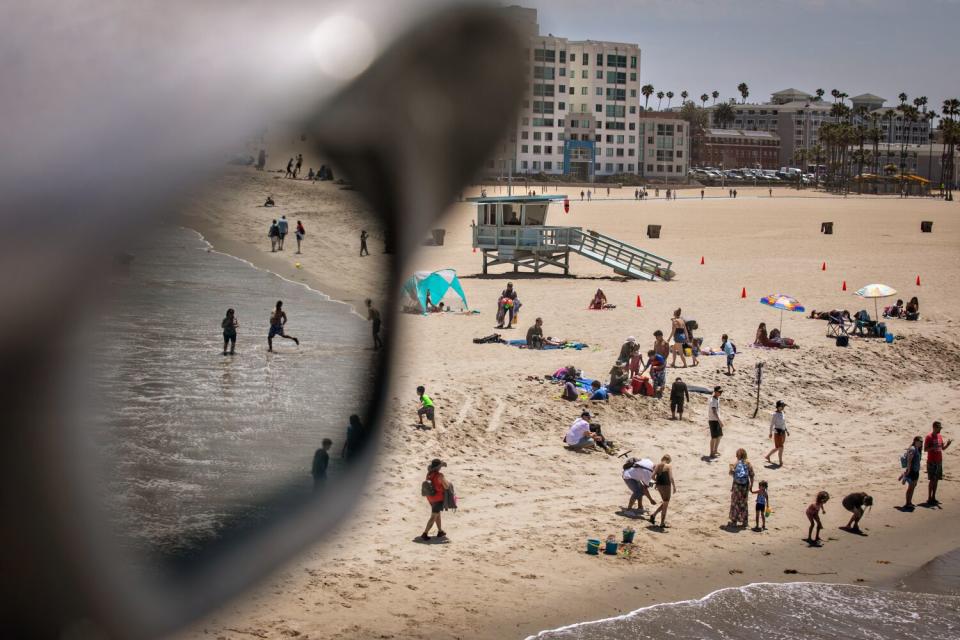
(813, 515)
(763, 502)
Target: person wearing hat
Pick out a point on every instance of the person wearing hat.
(619, 378)
(579, 436)
(779, 433)
(627, 349)
(716, 424)
(440, 485)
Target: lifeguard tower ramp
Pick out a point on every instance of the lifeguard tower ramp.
(511, 230)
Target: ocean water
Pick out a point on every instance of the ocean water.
(798, 611)
(188, 439)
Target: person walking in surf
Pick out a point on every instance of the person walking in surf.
(278, 318)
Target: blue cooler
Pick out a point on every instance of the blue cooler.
(889, 338)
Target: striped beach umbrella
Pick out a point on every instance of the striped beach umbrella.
(784, 303)
(875, 291)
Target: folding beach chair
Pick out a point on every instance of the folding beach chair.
(862, 321)
(836, 327)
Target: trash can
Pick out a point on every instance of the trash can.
(827, 228)
(926, 226)
(438, 235)
(653, 231)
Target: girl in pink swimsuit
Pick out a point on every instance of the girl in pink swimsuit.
(813, 515)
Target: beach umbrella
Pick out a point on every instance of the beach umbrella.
(784, 303)
(876, 291)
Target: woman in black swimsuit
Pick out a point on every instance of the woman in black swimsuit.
(663, 480)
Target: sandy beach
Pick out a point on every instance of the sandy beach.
(515, 561)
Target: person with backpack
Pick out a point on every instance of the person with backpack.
(742, 472)
(637, 475)
(274, 235)
(910, 462)
(778, 432)
(434, 489)
(731, 350)
(300, 232)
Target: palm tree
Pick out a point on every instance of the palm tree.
(703, 100)
(744, 91)
(669, 98)
(660, 95)
(875, 136)
(951, 135)
(715, 94)
(647, 91)
(683, 96)
(819, 93)
(931, 115)
(909, 118)
(835, 93)
(816, 154)
(903, 98)
(920, 103)
(724, 115)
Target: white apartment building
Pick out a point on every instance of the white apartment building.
(664, 145)
(579, 115)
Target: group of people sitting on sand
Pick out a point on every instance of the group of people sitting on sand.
(909, 312)
(773, 340)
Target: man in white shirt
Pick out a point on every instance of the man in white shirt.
(637, 476)
(716, 424)
(579, 436)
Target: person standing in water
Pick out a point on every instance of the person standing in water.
(321, 459)
(229, 325)
(278, 318)
(374, 316)
(363, 243)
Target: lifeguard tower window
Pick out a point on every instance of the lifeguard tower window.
(510, 214)
(489, 213)
(534, 214)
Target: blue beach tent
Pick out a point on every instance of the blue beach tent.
(438, 283)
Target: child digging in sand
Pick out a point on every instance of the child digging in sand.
(813, 515)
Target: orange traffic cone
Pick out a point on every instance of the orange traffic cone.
(701, 259)
(743, 292)
(823, 267)
(844, 287)
(918, 281)
(639, 303)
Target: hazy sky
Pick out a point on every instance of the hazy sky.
(857, 46)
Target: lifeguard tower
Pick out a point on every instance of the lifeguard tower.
(513, 230)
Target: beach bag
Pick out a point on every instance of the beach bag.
(426, 489)
(450, 498)
(843, 341)
(741, 474)
(494, 337)
(629, 463)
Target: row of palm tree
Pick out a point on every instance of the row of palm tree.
(648, 90)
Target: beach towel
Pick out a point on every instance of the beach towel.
(547, 347)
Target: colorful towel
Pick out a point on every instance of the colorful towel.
(547, 347)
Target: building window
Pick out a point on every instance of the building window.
(543, 90)
(609, 152)
(524, 135)
(616, 94)
(573, 57)
(571, 90)
(544, 55)
(536, 148)
(616, 77)
(548, 165)
(548, 135)
(633, 125)
(563, 56)
(633, 62)
(536, 164)
(631, 153)
(633, 94)
(630, 168)
(537, 135)
(563, 71)
(599, 59)
(632, 139)
(679, 153)
(619, 152)
(583, 109)
(616, 111)
(599, 74)
(633, 109)
(583, 91)
(524, 148)
(543, 73)
(609, 140)
(596, 167)
(561, 89)
(599, 91)
(596, 137)
(561, 106)
(616, 61)
(649, 167)
(523, 164)
(583, 74)
(598, 108)
(633, 77)
(619, 139)
(548, 150)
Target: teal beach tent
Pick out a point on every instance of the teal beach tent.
(438, 283)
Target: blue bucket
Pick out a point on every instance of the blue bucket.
(611, 548)
(889, 338)
(593, 547)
